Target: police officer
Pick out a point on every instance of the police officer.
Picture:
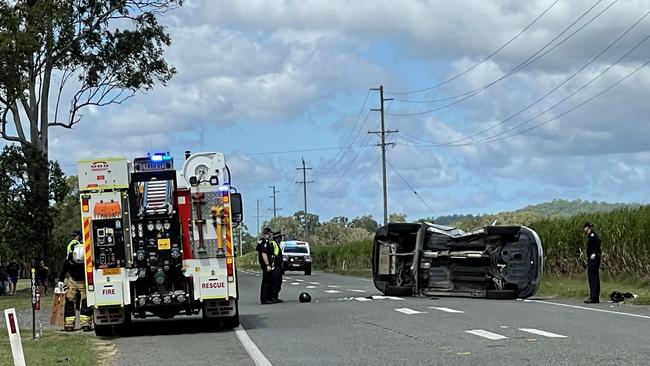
(277, 272)
(265, 257)
(74, 266)
(593, 263)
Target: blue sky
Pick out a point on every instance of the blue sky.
(260, 77)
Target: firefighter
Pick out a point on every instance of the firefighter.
(74, 267)
(593, 263)
(265, 257)
(277, 268)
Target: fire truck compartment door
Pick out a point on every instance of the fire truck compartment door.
(108, 294)
(213, 287)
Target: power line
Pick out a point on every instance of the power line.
(512, 116)
(500, 136)
(531, 59)
(410, 186)
(488, 57)
(352, 130)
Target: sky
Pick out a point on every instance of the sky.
(499, 104)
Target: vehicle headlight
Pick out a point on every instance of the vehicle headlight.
(308, 258)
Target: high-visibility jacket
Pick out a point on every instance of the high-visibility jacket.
(71, 246)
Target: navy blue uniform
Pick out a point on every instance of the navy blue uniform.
(266, 288)
(593, 266)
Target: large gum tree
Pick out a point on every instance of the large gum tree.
(60, 57)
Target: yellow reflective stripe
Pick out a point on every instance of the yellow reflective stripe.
(276, 248)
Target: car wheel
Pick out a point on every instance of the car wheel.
(308, 271)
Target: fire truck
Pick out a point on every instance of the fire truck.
(159, 241)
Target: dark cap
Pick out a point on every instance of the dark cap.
(587, 224)
(267, 230)
(76, 233)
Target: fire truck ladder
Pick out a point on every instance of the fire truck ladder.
(157, 196)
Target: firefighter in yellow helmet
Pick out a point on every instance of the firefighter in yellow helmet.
(74, 267)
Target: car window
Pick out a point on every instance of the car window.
(296, 249)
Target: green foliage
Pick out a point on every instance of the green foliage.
(625, 239)
(348, 256)
(365, 222)
(397, 217)
(27, 213)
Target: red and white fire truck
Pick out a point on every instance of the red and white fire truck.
(159, 241)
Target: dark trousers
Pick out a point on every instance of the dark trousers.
(266, 289)
(276, 275)
(593, 266)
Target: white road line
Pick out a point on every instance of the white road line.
(295, 283)
(332, 291)
(284, 280)
(378, 297)
(333, 286)
(408, 311)
(486, 334)
(542, 333)
(447, 310)
(349, 289)
(394, 298)
(310, 286)
(586, 308)
(315, 283)
(300, 280)
(258, 357)
(362, 299)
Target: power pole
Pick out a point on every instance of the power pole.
(274, 209)
(383, 145)
(258, 218)
(304, 188)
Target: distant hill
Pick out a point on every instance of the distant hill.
(560, 207)
(555, 208)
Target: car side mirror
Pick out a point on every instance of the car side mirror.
(237, 208)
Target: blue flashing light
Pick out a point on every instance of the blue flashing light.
(156, 158)
(167, 157)
(224, 188)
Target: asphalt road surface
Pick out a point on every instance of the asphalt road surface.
(347, 323)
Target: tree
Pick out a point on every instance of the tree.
(24, 222)
(77, 54)
(397, 217)
(288, 226)
(365, 222)
(340, 220)
(312, 220)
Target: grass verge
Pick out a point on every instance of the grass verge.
(576, 287)
(23, 298)
(58, 348)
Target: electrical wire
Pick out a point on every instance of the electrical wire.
(488, 57)
(410, 186)
(558, 86)
(531, 59)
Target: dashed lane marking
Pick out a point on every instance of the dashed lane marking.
(362, 299)
(353, 290)
(486, 334)
(408, 311)
(315, 283)
(333, 286)
(332, 291)
(448, 310)
(542, 333)
(310, 286)
(300, 280)
(295, 283)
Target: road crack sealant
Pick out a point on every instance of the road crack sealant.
(415, 338)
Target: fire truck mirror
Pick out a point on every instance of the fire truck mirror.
(237, 207)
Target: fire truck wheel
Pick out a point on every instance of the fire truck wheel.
(104, 330)
(231, 322)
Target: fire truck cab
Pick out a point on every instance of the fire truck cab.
(159, 241)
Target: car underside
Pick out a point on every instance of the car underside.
(496, 261)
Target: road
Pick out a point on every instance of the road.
(348, 324)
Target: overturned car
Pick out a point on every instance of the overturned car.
(495, 261)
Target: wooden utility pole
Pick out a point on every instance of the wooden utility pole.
(383, 145)
(304, 187)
